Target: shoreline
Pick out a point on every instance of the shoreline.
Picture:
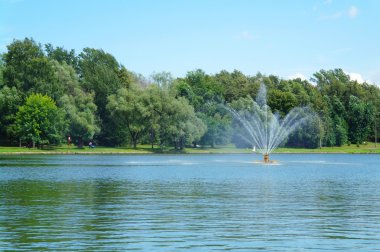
(19, 153)
(369, 148)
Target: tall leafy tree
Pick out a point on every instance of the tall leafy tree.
(218, 124)
(204, 92)
(185, 127)
(310, 135)
(79, 107)
(39, 120)
(204, 87)
(332, 82)
(127, 110)
(80, 116)
(2, 67)
(360, 114)
(173, 119)
(100, 74)
(155, 98)
(10, 100)
(99, 71)
(61, 55)
(162, 79)
(281, 101)
(235, 85)
(26, 67)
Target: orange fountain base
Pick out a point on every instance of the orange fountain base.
(266, 158)
(267, 161)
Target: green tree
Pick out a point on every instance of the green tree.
(61, 55)
(39, 120)
(101, 74)
(127, 110)
(2, 67)
(204, 87)
(360, 120)
(235, 85)
(336, 127)
(172, 120)
(204, 92)
(99, 71)
(155, 99)
(330, 138)
(309, 135)
(26, 67)
(10, 100)
(80, 115)
(218, 123)
(218, 129)
(332, 82)
(184, 126)
(162, 79)
(341, 131)
(281, 101)
(79, 107)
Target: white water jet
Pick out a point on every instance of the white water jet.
(264, 130)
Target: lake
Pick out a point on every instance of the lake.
(305, 202)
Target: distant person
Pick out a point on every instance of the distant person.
(91, 145)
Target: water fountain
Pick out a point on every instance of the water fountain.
(265, 130)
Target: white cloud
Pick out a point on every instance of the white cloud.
(297, 76)
(356, 77)
(353, 12)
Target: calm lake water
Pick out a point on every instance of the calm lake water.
(190, 203)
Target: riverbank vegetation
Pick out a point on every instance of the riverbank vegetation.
(48, 94)
(366, 148)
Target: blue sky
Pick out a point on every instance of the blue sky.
(284, 38)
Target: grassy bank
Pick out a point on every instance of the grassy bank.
(349, 149)
(146, 149)
(76, 150)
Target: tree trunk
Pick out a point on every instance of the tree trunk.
(152, 137)
(80, 142)
(181, 143)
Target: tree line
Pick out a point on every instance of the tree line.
(49, 93)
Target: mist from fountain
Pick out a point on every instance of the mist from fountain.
(265, 130)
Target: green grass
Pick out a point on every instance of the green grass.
(362, 149)
(64, 149)
(146, 149)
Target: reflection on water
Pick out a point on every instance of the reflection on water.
(193, 202)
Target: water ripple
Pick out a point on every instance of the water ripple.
(207, 206)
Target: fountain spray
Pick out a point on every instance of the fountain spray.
(266, 130)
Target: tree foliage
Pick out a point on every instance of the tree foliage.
(48, 93)
(127, 108)
(36, 120)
